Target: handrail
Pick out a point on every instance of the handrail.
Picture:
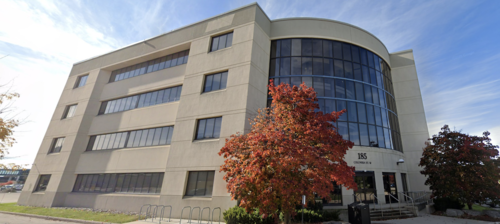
(412, 202)
(140, 211)
(163, 210)
(180, 221)
(377, 203)
(355, 198)
(399, 204)
(201, 217)
(220, 211)
(191, 213)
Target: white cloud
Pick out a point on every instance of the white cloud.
(43, 40)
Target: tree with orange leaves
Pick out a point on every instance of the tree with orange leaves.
(291, 150)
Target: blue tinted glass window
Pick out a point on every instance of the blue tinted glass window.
(354, 133)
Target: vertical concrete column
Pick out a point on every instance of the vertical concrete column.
(411, 114)
(61, 165)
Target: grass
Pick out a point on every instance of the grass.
(68, 213)
(479, 208)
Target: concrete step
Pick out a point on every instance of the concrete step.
(391, 217)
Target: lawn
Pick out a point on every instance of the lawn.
(69, 213)
(479, 208)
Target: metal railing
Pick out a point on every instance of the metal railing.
(162, 212)
(201, 217)
(151, 211)
(180, 221)
(220, 211)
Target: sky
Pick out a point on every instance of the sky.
(455, 43)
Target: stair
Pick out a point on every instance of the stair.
(388, 213)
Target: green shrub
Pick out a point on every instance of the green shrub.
(441, 204)
(317, 216)
(238, 215)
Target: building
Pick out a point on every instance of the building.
(143, 124)
(16, 176)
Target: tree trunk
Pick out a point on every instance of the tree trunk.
(287, 218)
(469, 204)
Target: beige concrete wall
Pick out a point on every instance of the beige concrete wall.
(411, 114)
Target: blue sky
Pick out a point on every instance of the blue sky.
(456, 46)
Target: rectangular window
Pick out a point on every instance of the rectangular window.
(215, 82)
(222, 41)
(43, 181)
(69, 111)
(56, 145)
(80, 81)
(208, 128)
(200, 183)
(149, 66)
(149, 137)
(145, 99)
(123, 183)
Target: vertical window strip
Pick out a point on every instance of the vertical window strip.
(130, 139)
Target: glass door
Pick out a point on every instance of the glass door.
(366, 187)
(390, 187)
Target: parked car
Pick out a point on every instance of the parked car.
(18, 187)
(6, 187)
(492, 203)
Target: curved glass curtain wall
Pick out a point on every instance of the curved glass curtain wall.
(344, 76)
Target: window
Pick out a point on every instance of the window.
(56, 145)
(146, 183)
(156, 64)
(200, 183)
(222, 41)
(142, 100)
(43, 181)
(81, 80)
(69, 111)
(344, 76)
(208, 128)
(215, 82)
(129, 139)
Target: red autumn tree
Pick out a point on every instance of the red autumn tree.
(291, 150)
(461, 167)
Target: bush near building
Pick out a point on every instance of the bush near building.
(461, 167)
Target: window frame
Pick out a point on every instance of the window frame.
(197, 126)
(66, 111)
(37, 186)
(79, 79)
(223, 74)
(187, 183)
(53, 145)
(225, 34)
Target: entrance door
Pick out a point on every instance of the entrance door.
(366, 187)
(390, 188)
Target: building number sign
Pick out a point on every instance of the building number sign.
(362, 156)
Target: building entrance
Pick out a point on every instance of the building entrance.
(390, 188)
(366, 187)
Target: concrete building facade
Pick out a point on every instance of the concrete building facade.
(144, 124)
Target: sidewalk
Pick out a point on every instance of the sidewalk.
(426, 218)
(184, 221)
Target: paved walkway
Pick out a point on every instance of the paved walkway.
(8, 198)
(426, 218)
(16, 219)
(171, 222)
